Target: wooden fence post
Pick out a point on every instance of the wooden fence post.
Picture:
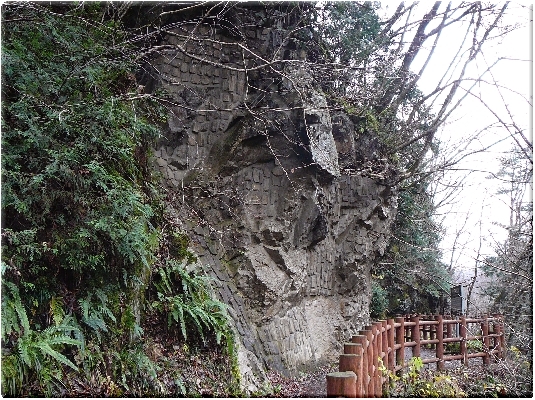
(415, 335)
(377, 348)
(363, 379)
(370, 387)
(495, 331)
(434, 329)
(356, 349)
(440, 345)
(371, 384)
(462, 332)
(501, 339)
(347, 362)
(390, 338)
(449, 329)
(486, 341)
(384, 342)
(424, 329)
(400, 340)
(407, 328)
(341, 384)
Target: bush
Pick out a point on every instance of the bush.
(414, 383)
(379, 301)
(511, 377)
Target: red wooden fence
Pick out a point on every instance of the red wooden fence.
(387, 340)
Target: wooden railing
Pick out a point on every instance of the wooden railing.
(386, 341)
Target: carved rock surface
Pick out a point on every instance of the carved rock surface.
(252, 170)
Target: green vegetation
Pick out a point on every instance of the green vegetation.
(100, 293)
(349, 29)
(378, 302)
(186, 301)
(81, 216)
(510, 272)
(511, 377)
(412, 270)
(413, 383)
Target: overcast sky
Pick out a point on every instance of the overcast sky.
(477, 208)
(478, 200)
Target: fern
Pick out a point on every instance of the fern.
(94, 314)
(14, 317)
(194, 305)
(34, 352)
(40, 353)
(134, 370)
(56, 309)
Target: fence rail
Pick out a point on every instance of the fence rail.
(385, 342)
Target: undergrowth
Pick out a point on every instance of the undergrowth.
(90, 280)
(510, 377)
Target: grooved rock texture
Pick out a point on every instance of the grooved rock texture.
(272, 187)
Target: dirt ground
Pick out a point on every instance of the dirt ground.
(312, 384)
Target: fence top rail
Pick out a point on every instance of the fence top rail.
(449, 316)
(407, 323)
(474, 320)
(428, 322)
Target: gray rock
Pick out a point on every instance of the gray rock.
(291, 251)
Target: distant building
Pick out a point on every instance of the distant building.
(459, 299)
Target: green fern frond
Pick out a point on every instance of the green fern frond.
(47, 349)
(194, 306)
(164, 286)
(23, 348)
(12, 306)
(84, 306)
(56, 309)
(195, 314)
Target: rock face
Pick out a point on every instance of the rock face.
(271, 186)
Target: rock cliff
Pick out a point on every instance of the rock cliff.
(274, 187)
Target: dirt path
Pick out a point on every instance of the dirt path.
(313, 384)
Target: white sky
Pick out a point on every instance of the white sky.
(477, 200)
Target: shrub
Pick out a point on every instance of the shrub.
(414, 383)
(379, 301)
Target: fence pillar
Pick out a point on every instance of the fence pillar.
(440, 345)
(501, 339)
(486, 341)
(341, 384)
(400, 340)
(370, 387)
(357, 350)
(415, 335)
(390, 338)
(377, 347)
(424, 329)
(433, 333)
(462, 333)
(449, 329)
(384, 340)
(363, 379)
